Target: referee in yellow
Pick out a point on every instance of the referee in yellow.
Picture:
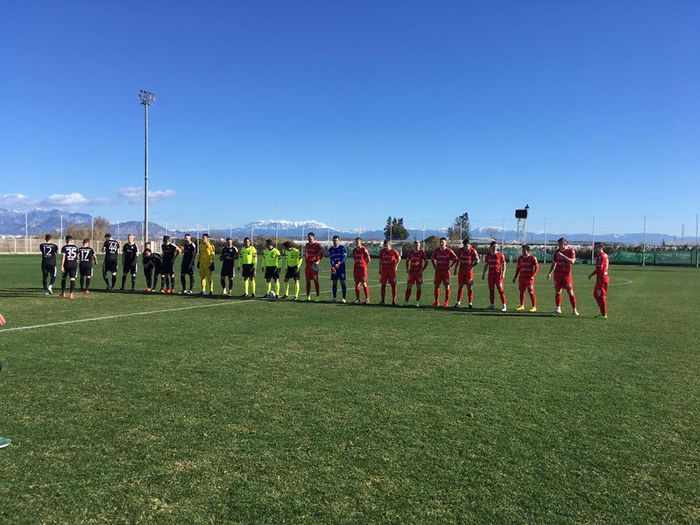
(206, 264)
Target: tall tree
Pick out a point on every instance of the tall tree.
(395, 230)
(460, 228)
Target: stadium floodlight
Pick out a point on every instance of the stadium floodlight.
(146, 98)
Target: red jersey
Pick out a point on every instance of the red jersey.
(443, 259)
(415, 261)
(563, 268)
(601, 265)
(468, 257)
(527, 268)
(495, 262)
(388, 259)
(313, 252)
(361, 256)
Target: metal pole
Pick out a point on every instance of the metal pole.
(544, 250)
(644, 242)
(593, 242)
(26, 231)
(145, 174)
(503, 233)
(92, 230)
(697, 243)
(277, 233)
(119, 234)
(61, 232)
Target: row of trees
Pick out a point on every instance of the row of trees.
(395, 229)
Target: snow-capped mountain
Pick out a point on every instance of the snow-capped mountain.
(284, 225)
(38, 221)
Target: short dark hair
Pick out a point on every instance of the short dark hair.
(492, 243)
(311, 234)
(86, 241)
(336, 237)
(466, 241)
(228, 239)
(246, 239)
(287, 244)
(205, 235)
(443, 239)
(188, 235)
(526, 246)
(69, 238)
(166, 238)
(108, 235)
(47, 237)
(563, 239)
(358, 238)
(599, 244)
(269, 241)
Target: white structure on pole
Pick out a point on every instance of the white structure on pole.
(146, 98)
(521, 215)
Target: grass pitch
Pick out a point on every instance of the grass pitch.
(235, 411)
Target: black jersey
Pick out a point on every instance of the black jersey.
(188, 252)
(169, 252)
(71, 253)
(86, 255)
(228, 255)
(131, 252)
(48, 253)
(111, 249)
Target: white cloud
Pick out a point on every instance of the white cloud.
(15, 199)
(72, 200)
(135, 194)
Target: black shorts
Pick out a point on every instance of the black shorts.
(228, 269)
(167, 268)
(110, 265)
(292, 273)
(248, 271)
(272, 272)
(85, 270)
(70, 271)
(187, 267)
(130, 267)
(48, 269)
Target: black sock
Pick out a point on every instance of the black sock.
(223, 282)
(162, 282)
(230, 284)
(53, 279)
(133, 282)
(63, 284)
(191, 282)
(45, 280)
(87, 282)
(72, 285)
(82, 282)
(123, 280)
(114, 280)
(104, 276)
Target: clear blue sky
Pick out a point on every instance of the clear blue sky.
(346, 112)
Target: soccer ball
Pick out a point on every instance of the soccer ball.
(271, 295)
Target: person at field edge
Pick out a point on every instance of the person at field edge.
(229, 254)
(313, 253)
(389, 260)
(416, 263)
(467, 259)
(443, 259)
(602, 280)
(207, 250)
(338, 254)
(495, 263)
(248, 261)
(271, 260)
(562, 265)
(87, 258)
(525, 271)
(4, 442)
(152, 263)
(69, 266)
(361, 256)
(110, 265)
(48, 263)
(130, 255)
(293, 260)
(189, 254)
(169, 253)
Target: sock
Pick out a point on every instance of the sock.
(603, 306)
(407, 295)
(204, 284)
(277, 287)
(63, 284)
(53, 279)
(318, 287)
(393, 292)
(87, 282)
(191, 281)
(45, 280)
(572, 299)
(447, 295)
(344, 289)
(557, 300)
(252, 285)
(357, 291)
(286, 288)
(366, 290)
(230, 284)
(522, 297)
(269, 286)
(183, 282)
(383, 292)
(533, 298)
(245, 286)
(470, 295)
(104, 276)
(492, 297)
(114, 280)
(162, 282)
(460, 293)
(223, 283)
(418, 294)
(123, 280)
(133, 282)
(437, 294)
(308, 287)
(82, 282)
(335, 289)
(297, 286)
(502, 293)
(72, 285)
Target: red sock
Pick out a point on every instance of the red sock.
(418, 294)
(470, 294)
(357, 291)
(491, 294)
(557, 300)
(308, 287)
(318, 288)
(407, 295)
(393, 292)
(447, 295)
(572, 298)
(603, 306)
(437, 294)
(533, 298)
(522, 297)
(503, 296)
(460, 292)
(366, 289)
(383, 292)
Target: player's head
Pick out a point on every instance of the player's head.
(443, 242)
(336, 240)
(205, 238)
(598, 247)
(47, 237)
(166, 239)
(69, 239)
(269, 244)
(108, 236)
(562, 242)
(493, 247)
(311, 236)
(526, 249)
(229, 241)
(147, 251)
(466, 243)
(147, 246)
(358, 241)
(247, 242)
(287, 245)
(130, 238)
(188, 238)
(416, 245)
(86, 242)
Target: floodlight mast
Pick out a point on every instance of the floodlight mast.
(146, 98)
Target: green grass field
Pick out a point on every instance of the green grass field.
(228, 411)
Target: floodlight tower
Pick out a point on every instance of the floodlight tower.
(521, 215)
(146, 98)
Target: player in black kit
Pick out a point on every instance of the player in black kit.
(152, 263)
(87, 258)
(111, 250)
(167, 272)
(69, 266)
(228, 256)
(189, 252)
(130, 254)
(48, 263)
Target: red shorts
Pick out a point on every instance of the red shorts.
(311, 275)
(496, 280)
(526, 285)
(465, 277)
(415, 278)
(601, 287)
(563, 282)
(387, 277)
(442, 277)
(360, 273)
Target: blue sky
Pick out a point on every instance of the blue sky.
(348, 112)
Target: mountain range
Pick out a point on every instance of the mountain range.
(40, 221)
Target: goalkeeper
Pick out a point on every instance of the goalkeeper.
(206, 264)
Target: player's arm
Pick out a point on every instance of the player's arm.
(483, 273)
(503, 268)
(535, 268)
(63, 262)
(553, 266)
(398, 261)
(453, 263)
(517, 272)
(432, 260)
(94, 258)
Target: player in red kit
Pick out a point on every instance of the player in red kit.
(361, 256)
(495, 263)
(526, 270)
(389, 260)
(444, 259)
(562, 263)
(467, 259)
(313, 253)
(600, 292)
(416, 263)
